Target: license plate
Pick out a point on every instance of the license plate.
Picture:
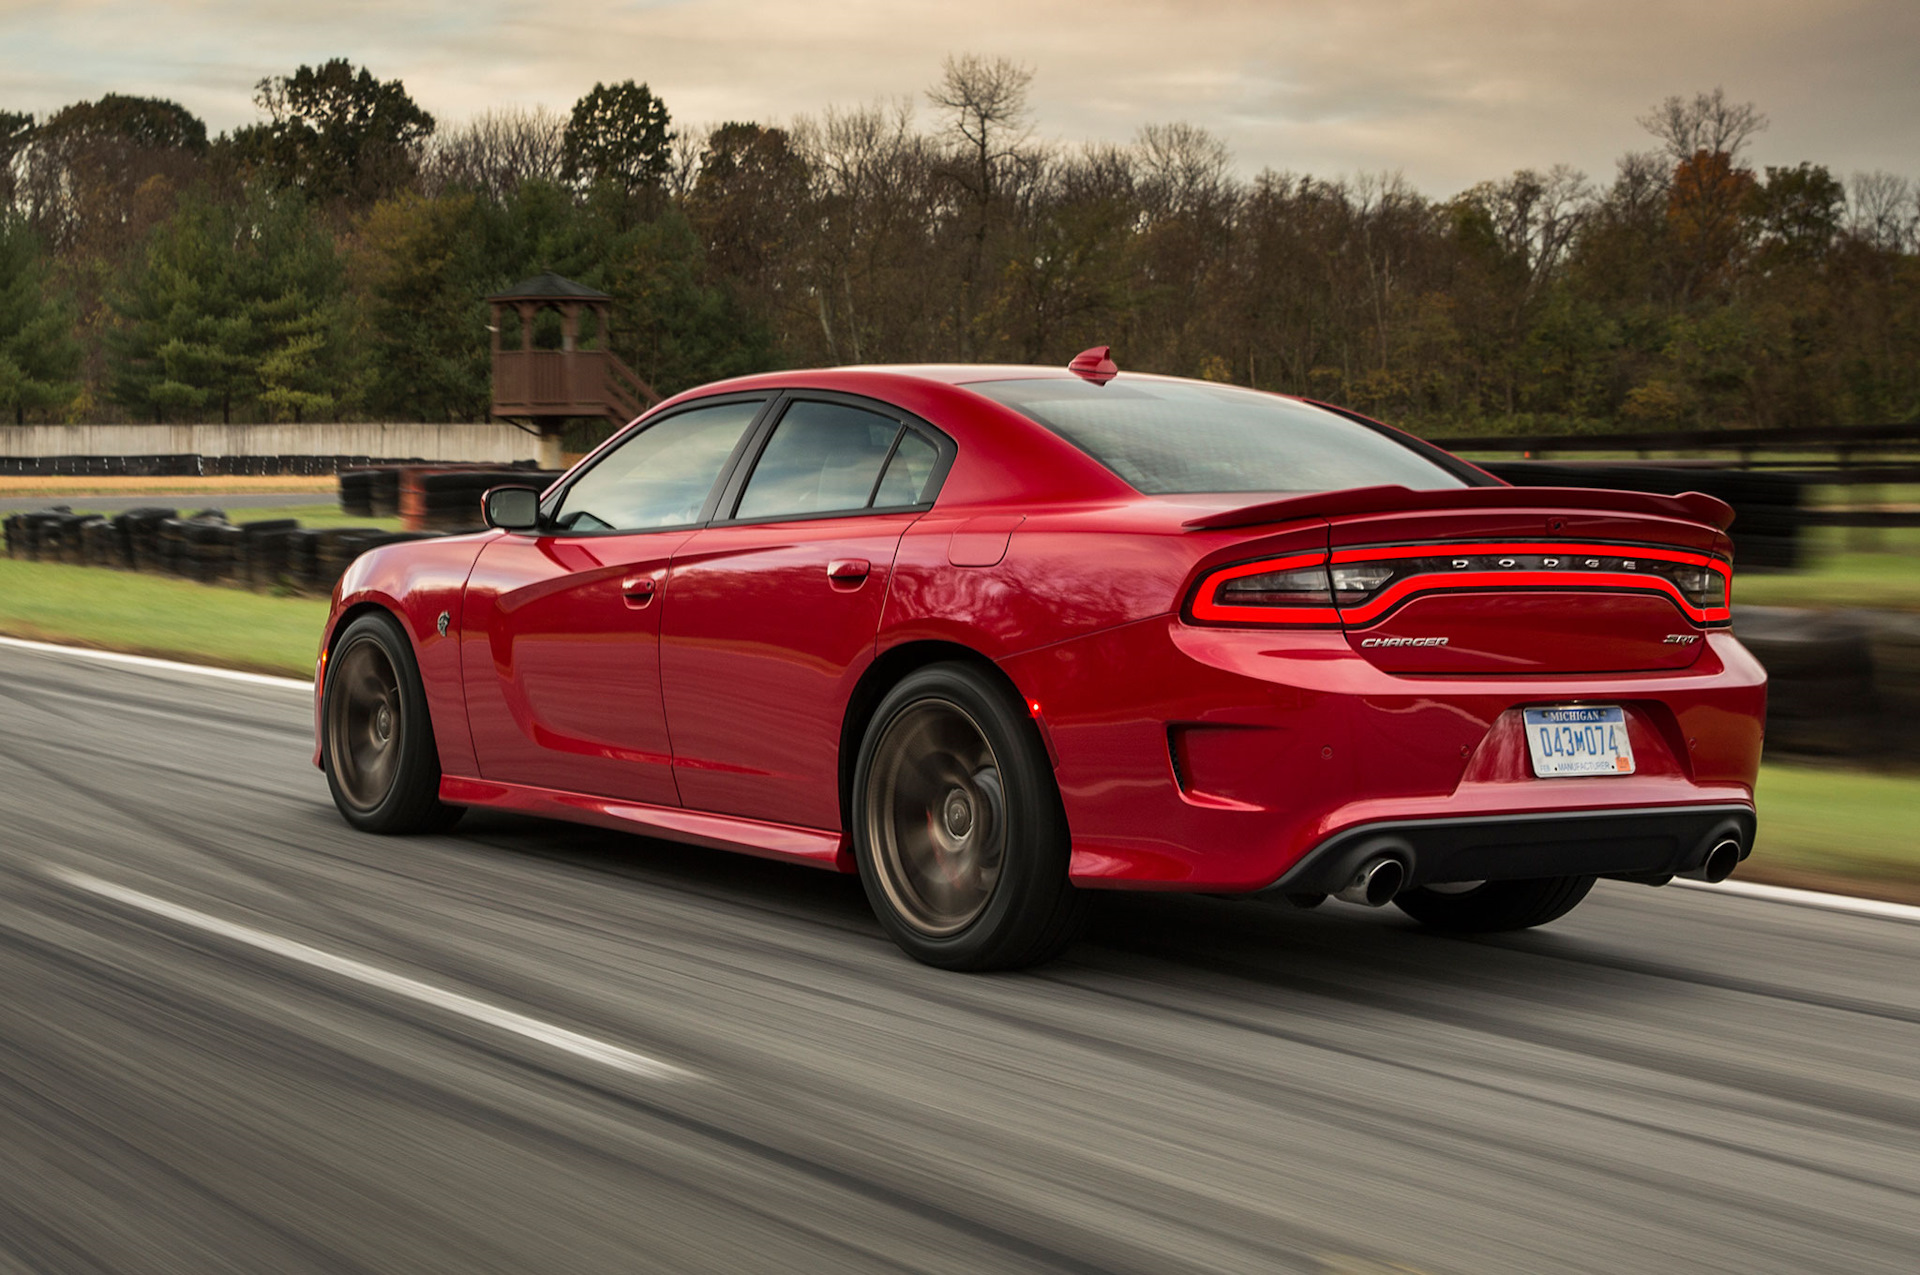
(1578, 741)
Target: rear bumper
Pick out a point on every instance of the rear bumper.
(1222, 760)
(1653, 842)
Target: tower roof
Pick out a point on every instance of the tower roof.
(549, 287)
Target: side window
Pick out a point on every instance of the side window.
(661, 476)
(822, 458)
(905, 482)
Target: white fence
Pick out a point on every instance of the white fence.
(493, 444)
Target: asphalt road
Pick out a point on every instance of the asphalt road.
(236, 1036)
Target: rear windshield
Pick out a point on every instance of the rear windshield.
(1165, 437)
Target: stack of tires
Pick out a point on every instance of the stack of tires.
(138, 531)
(1893, 640)
(100, 543)
(1820, 678)
(449, 499)
(370, 493)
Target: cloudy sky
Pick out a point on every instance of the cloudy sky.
(1446, 91)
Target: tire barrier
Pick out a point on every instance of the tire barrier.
(1839, 683)
(1766, 507)
(448, 499)
(370, 493)
(271, 554)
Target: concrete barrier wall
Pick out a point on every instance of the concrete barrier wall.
(493, 444)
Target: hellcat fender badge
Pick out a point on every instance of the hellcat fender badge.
(442, 623)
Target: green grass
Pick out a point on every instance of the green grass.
(1829, 822)
(319, 515)
(1841, 573)
(155, 615)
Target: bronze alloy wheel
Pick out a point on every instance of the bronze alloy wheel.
(936, 817)
(365, 720)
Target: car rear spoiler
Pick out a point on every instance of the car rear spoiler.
(1692, 506)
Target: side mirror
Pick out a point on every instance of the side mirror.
(512, 508)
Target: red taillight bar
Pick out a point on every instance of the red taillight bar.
(1206, 608)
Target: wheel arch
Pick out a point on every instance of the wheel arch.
(883, 675)
(339, 624)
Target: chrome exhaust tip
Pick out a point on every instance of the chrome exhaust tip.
(1718, 864)
(1375, 884)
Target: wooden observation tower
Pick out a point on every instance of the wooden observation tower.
(545, 388)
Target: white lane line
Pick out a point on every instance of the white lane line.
(170, 666)
(479, 1011)
(1810, 899)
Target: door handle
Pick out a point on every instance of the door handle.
(848, 570)
(637, 590)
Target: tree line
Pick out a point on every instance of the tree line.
(331, 260)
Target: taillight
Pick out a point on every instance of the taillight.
(1290, 590)
(1361, 585)
(1702, 586)
(1369, 582)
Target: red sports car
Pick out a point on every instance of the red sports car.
(996, 637)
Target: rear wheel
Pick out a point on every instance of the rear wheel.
(957, 826)
(1495, 905)
(377, 742)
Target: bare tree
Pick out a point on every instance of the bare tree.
(1184, 169)
(1707, 123)
(1883, 210)
(1536, 215)
(863, 270)
(497, 151)
(988, 129)
(683, 159)
(986, 104)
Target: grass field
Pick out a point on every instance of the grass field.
(319, 515)
(1840, 574)
(157, 615)
(1830, 828)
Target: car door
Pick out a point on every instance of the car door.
(561, 626)
(772, 611)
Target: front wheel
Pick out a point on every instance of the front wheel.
(377, 744)
(1495, 905)
(957, 826)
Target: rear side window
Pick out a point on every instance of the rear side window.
(1168, 437)
(908, 473)
(822, 458)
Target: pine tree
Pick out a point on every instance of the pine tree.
(235, 306)
(39, 356)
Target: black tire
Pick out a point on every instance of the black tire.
(958, 828)
(377, 745)
(1496, 905)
